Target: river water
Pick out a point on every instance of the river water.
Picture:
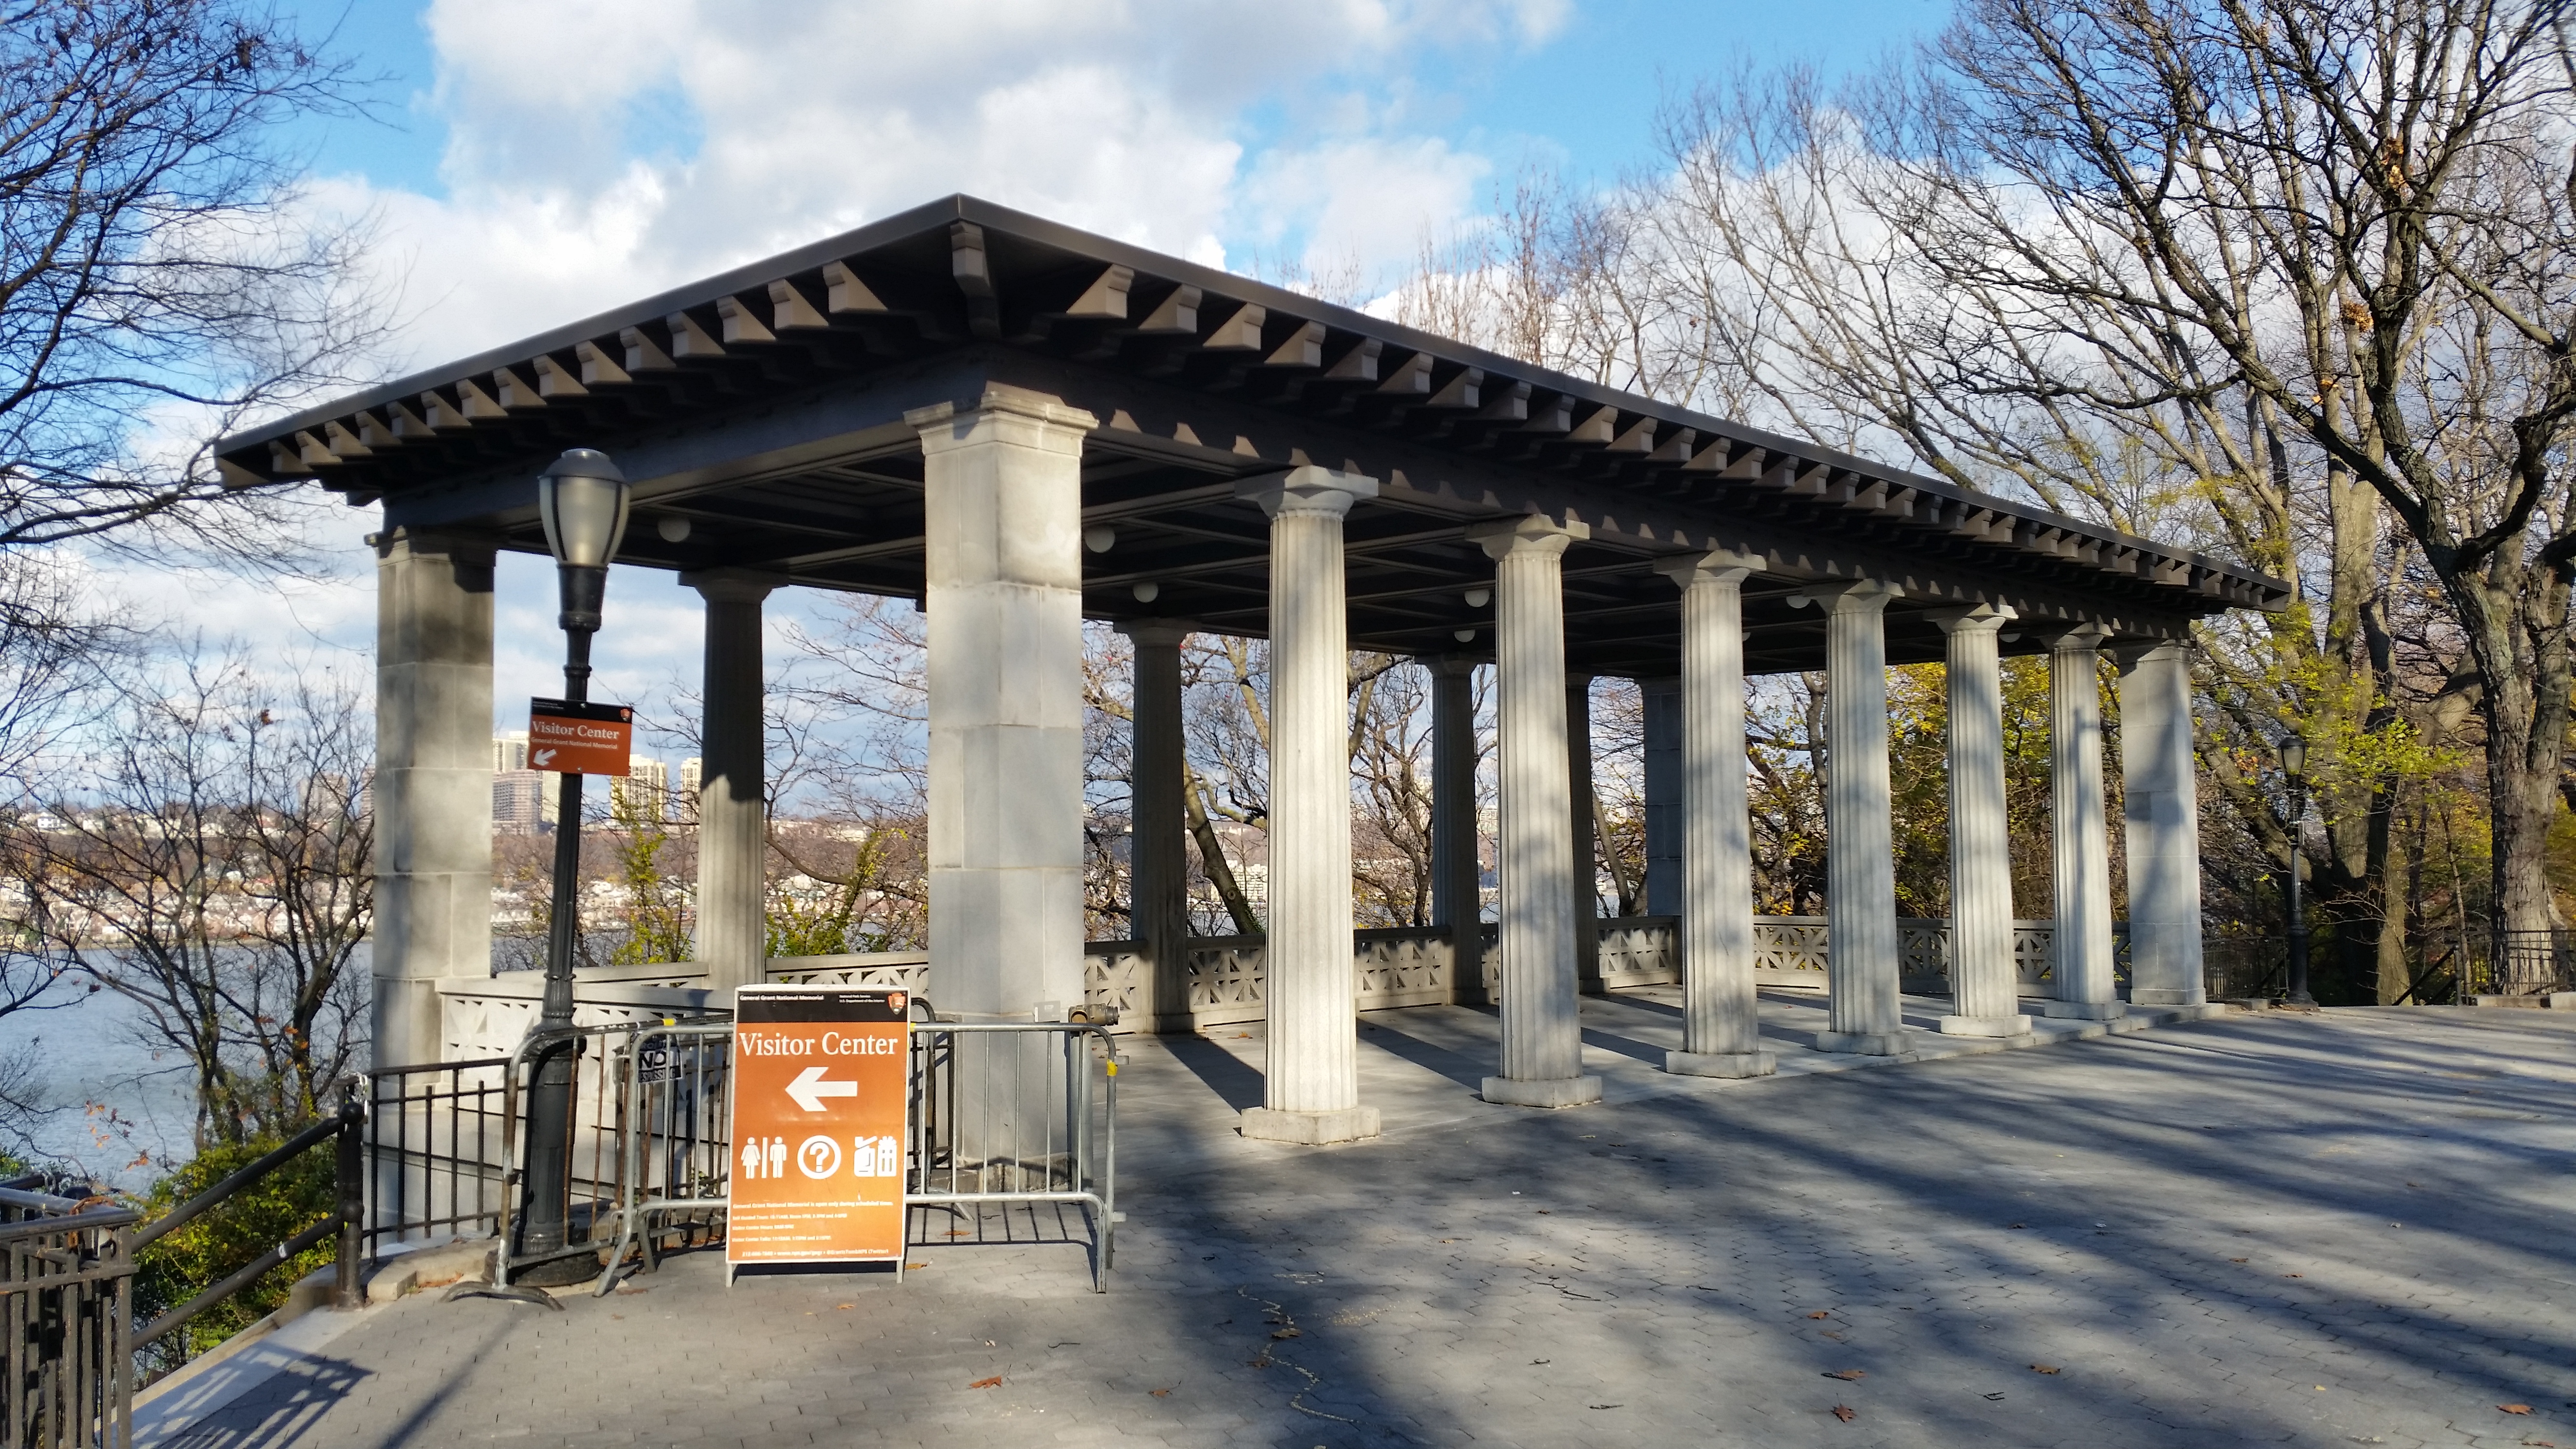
(111, 1099)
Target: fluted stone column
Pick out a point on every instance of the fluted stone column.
(1310, 1086)
(733, 801)
(2079, 831)
(432, 794)
(1457, 874)
(2162, 811)
(1721, 1035)
(1158, 879)
(1985, 989)
(1662, 699)
(1581, 831)
(1863, 959)
(1002, 495)
(1542, 1062)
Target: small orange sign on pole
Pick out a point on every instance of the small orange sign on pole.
(579, 739)
(821, 1120)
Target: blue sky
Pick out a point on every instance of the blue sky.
(535, 160)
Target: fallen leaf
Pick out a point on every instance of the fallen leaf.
(1820, 1315)
(1534, 1363)
(2240, 1260)
(994, 1382)
(2293, 1275)
(845, 1307)
(1607, 1406)
(1543, 1212)
(2515, 1408)
(2043, 1368)
(916, 1265)
(1844, 1413)
(1848, 1375)
(1994, 1396)
(1289, 1333)
(1261, 1362)
(2021, 1225)
(1162, 1393)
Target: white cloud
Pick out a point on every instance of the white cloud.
(599, 151)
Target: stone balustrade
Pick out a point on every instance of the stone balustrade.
(1397, 966)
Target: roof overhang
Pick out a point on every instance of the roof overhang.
(765, 406)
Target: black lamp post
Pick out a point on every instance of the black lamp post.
(2294, 764)
(583, 500)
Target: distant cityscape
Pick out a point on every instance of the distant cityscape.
(524, 800)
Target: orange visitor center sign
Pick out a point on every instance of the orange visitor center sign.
(820, 1124)
(579, 739)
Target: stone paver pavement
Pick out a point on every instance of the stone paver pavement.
(2324, 1230)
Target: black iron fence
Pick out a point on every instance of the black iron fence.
(435, 1153)
(66, 1313)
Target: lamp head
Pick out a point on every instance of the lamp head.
(582, 498)
(2294, 755)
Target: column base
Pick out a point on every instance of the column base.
(1546, 1092)
(1984, 1025)
(2139, 997)
(1310, 1129)
(2083, 1010)
(1721, 1064)
(1863, 1043)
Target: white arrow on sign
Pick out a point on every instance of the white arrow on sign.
(810, 1088)
(544, 757)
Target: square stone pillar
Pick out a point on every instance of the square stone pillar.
(2079, 833)
(432, 794)
(1862, 958)
(1542, 1062)
(1310, 1081)
(1457, 869)
(1002, 496)
(1664, 771)
(1985, 986)
(733, 789)
(2162, 811)
(1582, 831)
(1158, 862)
(1721, 1022)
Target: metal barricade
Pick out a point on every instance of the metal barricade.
(594, 1155)
(675, 1152)
(1004, 1112)
(66, 1313)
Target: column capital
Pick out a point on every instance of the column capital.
(2073, 638)
(463, 545)
(1530, 533)
(1840, 596)
(2161, 651)
(948, 423)
(732, 586)
(1451, 666)
(1721, 566)
(1976, 618)
(1309, 489)
(1156, 631)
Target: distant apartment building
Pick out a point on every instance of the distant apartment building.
(692, 775)
(523, 801)
(509, 752)
(645, 793)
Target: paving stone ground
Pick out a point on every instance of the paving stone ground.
(2344, 1228)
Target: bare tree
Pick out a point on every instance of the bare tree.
(2366, 210)
(209, 856)
(157, 263)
